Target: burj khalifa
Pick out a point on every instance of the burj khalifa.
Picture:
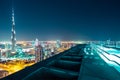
(13, 35)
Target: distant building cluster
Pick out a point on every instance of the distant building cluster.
(30, 49)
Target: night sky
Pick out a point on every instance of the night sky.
(61, 19)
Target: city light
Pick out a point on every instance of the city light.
(25, 53)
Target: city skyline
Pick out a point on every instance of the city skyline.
(62, 19)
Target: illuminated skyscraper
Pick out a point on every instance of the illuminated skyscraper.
(37, 51)
(58, 43)
(39, 54)
(13, 35)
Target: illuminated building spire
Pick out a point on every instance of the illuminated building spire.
(13, 38)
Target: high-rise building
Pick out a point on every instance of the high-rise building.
(13, 35)
(39, 54)
(58, 43)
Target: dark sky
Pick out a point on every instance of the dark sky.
(61, 19)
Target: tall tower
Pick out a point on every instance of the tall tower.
(37, 51)
(13, 36)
